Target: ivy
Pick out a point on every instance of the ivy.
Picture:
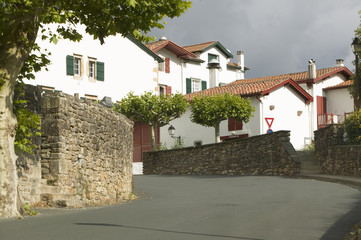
(28, 123)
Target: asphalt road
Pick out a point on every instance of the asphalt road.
(249, 208)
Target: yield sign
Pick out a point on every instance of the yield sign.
(269, 121)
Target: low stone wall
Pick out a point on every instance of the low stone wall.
(269, 154)
(85, 151)
(335, 157)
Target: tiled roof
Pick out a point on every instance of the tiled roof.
(344, 84)
(198, 47)
(171, 46)
(302, 76)
(251, 88)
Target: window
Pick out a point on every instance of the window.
(77, 66)
(164, 66)
(212, 56)
(92, 69)
(165, 90)
(74, 67)
(233, 124)
(195, 85)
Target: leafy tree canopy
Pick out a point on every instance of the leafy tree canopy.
(209, 111)
(156, 111)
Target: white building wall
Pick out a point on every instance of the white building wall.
(173, 78)
(339, 101)
(127, 67)
(286, 104)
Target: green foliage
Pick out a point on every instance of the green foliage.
(179, 143)
(162, 146)
(28, 124)
(152, 109)
(209, 111)
(309, 147)
(29, 211)
(352, 126)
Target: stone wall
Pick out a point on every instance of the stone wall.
(269, 154)
(335, 157)
(85, 151)
(29, 165)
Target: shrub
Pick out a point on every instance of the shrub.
(352, 126)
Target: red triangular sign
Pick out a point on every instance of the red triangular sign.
(269, 122)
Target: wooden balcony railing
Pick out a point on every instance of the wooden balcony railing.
(326, 119)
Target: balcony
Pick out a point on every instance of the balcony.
(326, 119)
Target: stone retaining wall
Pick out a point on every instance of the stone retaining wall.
(86, 150)
(269, 154)
(335, 157)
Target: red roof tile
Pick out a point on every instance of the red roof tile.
(303, 76)
(198, 47)
(251, 88)
(171, 46)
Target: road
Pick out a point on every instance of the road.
(191, 207)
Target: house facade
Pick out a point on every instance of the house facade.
(299, 102)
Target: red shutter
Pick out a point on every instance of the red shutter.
(168, 90)
(321, 105)
(142, 140)
(167, 65)
(233, 124)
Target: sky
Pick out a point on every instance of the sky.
(277, 36)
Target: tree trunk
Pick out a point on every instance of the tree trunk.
(152, 134)
(8, 177)
(16, 42)
(217, 134)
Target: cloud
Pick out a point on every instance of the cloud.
(277, 36)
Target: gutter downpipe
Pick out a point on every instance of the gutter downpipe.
(261, 115)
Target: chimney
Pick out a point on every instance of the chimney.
(240, 62)
(163, 39)
(311, 69)
(340, 63)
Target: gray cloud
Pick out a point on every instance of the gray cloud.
(277, 36)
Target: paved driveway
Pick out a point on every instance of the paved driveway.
(250, 208)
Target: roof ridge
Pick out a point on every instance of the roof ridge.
(200, 44)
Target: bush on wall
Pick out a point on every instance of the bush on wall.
(353, 127)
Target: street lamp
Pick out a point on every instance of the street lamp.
(171, 131)
(356, 48)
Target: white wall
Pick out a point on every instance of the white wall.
(339, 101)
(286, 104)
(173, 78)
(127, 67)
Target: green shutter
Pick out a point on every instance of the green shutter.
(204, 85)
(100, 71)
(188, 85)
(69, 65)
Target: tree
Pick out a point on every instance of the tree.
(355, 89)
(156, 111)
(210, 111)
(20, 24)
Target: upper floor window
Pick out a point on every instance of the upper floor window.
(92, 69)
(195, 85)
(74, 67)
(164, 66)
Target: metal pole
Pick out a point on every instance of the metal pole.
(357, 86)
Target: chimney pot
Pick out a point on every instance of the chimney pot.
(311, 69)
(340, 63)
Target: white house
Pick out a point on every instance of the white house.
(299, 102)
(196, 67)
(94, 71)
